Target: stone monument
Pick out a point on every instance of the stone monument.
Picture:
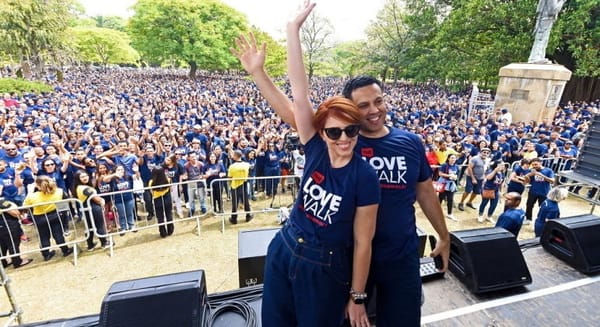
(532, 90)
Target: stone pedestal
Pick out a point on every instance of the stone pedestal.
(531, 91)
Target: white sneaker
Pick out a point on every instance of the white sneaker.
(491, 220)
(480, 219)
(451, 217)
(526, 222)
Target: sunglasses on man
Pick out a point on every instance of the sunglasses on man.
(335, 133)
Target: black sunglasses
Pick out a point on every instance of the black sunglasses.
(335, 133)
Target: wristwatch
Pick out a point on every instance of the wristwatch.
(358, 297)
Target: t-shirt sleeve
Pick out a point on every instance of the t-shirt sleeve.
(88, 191)
(368, 191)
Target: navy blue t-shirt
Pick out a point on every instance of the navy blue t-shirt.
(539, 186)
(400, 163)
(511, 220)
(328, 197)
(514, 186)
(123, 184)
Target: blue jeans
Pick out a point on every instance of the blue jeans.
(305, 285)
(271, 183)
(126, 215)
(493, 203)
(538, 228)
(196, 192)
(399, 290)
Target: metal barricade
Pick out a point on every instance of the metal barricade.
(65, 221)
(256, 195)
(123, 215)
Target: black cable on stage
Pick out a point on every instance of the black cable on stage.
(236, 302)
(529, 244)
(240, 307)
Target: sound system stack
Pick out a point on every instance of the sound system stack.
(587, 167)
(252, 251)
(169, 300)
(487, 259)
(575, 240)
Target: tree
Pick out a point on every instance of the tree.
(33, 30)
(199, 32)
(388, 38)
(578, 48)
(276, 60)
(103, 45)
(349, 58)
(315, 35)
(112, 22)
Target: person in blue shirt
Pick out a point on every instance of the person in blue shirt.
(449, 173)
(122, 183)
(512, 217)
(549, 209)
(327, 238)
(540, 178)
(272, 167)
(214, 170)
(147, 161)
(516, 181)
(494, 177)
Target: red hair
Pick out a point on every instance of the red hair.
(338, 107)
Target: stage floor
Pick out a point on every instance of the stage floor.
(558, 296)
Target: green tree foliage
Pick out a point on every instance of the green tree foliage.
(112, 22)
(389, 38)
(460, 41)
(199, 32)
(32, 31)
(276, 59)
(578, 37)
(349, 58)
(104, 46)
(480, 36)
(10, 85)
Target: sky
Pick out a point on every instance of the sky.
(348, 17)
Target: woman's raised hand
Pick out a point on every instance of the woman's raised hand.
(251, 57)
(301, 15)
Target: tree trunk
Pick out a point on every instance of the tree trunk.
(193, 69)
(26, 70)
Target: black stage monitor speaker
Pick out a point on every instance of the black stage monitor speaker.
(252, 250)
(575, 240)
(169, 300)
(487, 259)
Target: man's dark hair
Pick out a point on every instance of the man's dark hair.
(358, 82)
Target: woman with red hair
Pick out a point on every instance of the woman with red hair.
(317, 265)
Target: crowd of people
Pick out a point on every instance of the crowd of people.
(105, 130)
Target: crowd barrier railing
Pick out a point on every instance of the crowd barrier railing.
(139, 210)
(262, 194)
(65, 222)
(557, 164)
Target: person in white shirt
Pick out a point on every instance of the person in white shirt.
(298, 156)
(506, 117)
